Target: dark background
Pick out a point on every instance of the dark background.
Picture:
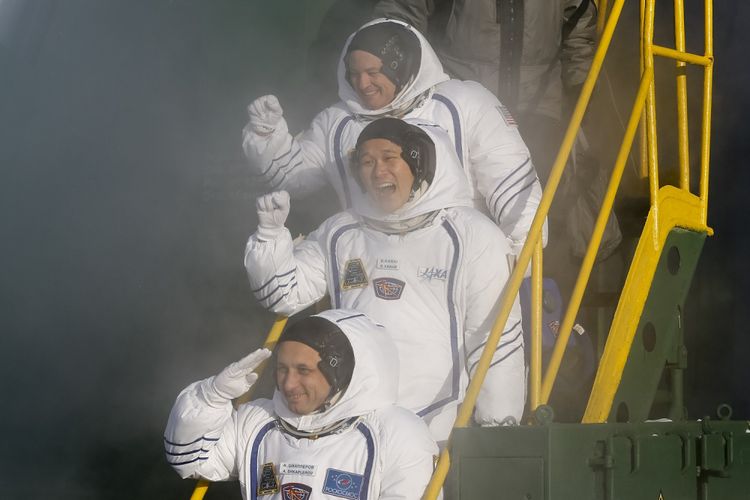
(125, 205)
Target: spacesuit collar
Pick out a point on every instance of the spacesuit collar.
(334, 428)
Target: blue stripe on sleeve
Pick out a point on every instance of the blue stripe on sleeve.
(273, 278)
(280, 157)
(518, 181)
(527, 186)
(349, 317)
(501, 337)
(187, 461)
(283, 296)
(509, 176)
(191, 442)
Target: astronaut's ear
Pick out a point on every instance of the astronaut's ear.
(420, 155)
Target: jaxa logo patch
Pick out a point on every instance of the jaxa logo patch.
(354, 275)
(295, 491)
(388, 288)
(343, 484)
(268, 484)
(432, 273)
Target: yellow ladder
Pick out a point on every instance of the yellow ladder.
(670, 206)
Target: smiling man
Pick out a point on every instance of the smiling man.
(331, 430)
(388, 69)
(414, 255)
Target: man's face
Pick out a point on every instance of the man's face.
(374, 88)
(298, 378)
(385, 176)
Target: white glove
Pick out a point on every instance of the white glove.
(273, 209)
(234, 380)
(265, 114)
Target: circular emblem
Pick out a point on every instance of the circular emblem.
(344, 481)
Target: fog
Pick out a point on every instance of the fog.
(125, 205)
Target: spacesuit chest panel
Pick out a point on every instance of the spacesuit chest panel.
(282, 467)
(410, 283)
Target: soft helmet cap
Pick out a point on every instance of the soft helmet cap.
(417, 148)
(336, 354)
(395, 45)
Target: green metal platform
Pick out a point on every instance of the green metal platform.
(707, 460)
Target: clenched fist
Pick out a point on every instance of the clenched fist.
(273, 209)
(265, 114)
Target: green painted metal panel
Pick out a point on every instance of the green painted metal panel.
(519, 478)
(725, 461)
(618, 461)
(658, 340)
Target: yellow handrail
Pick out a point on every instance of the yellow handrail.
(535, 379)
(682, 104)
(651, 143)
(643, 111)
(706, 128)
(273, 336)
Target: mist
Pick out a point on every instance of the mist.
(125, 204)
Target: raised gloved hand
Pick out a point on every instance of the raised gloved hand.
(236, 379)
(273, 209)
(265, 114)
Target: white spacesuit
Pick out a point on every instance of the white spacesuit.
(437, 287)
(502, 178)
(360, 447)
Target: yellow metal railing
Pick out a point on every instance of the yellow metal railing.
(671, 206)
(679, 212)
(273, 336)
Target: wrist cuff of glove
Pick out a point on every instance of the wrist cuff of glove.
(269, 233)
(211, 396)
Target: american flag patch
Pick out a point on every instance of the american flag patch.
(507, 117)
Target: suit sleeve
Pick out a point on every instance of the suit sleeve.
(200, 439)
(414, 12)
(285, 278)
(501, 165)
(408, 457)
(294, 164)
(503, 392)
(579, 44)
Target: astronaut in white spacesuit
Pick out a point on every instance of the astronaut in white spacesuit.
(418, 258)
(388, 68)
(331, 430)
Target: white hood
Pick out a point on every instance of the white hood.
(374, 381)
(430, 74)
(449, 187)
